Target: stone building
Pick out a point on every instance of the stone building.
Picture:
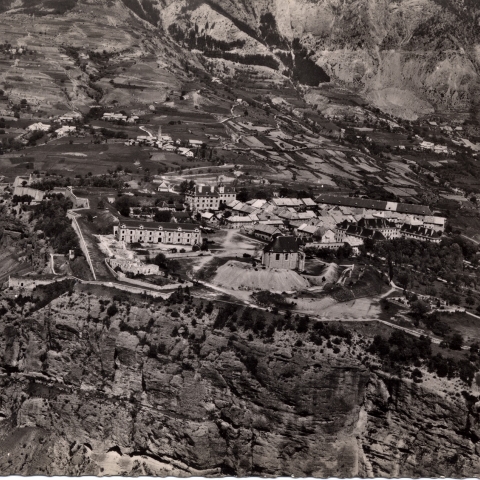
(137, 231)
(204, 197)
(30, 283)
(130, 266)
(422, 234)
(284, 253)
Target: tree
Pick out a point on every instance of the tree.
(242, 195)
(470, 300)
(419, 308)
(163, 216)
(403, 279)
(456, 342)
(123, 205)
(112, 310)
(204, 246)
(160, 260)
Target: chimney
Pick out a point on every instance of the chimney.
(212, 189)
(200, 189)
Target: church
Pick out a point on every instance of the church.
(284, 253)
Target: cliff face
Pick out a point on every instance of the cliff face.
(404, 56)
(83, 393)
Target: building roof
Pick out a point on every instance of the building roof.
(266, 229)
(376, 223)
(257, 203)
(305, 228)
(287, 202)
(435, 220)
(244, 208)
(374, 204)
(241, 219)
(283, 245)
(415, 209)
(210, 190)
(140, 224)
(309, 202)
(420, 231)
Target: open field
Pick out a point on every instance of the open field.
(467, 325)
(9, 265)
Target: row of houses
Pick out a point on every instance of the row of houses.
(116, 117)
(430, 146)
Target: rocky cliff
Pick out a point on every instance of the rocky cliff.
(404, 56)
(149, 389)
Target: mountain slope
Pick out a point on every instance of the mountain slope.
(406, 57)
(86, 53)
(395, 53)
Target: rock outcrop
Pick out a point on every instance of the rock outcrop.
(84, 393)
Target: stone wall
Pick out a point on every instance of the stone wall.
(37, 195)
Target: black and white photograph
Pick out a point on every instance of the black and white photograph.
(240, 238)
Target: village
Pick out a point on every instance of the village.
(255, 199)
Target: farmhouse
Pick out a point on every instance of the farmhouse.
(306, 231)
(185, 152)
(269, 219)
(287, 202)
(284, 253)
(208, 217)
(38, 127)
(164, 186)
(237, 221)
(239, 208)
(65, 130)
(204, 197)
(265, 232)
(114, 117)
(133, 231)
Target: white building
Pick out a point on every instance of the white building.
(204, 197)
(135, 231)
(38, 127)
